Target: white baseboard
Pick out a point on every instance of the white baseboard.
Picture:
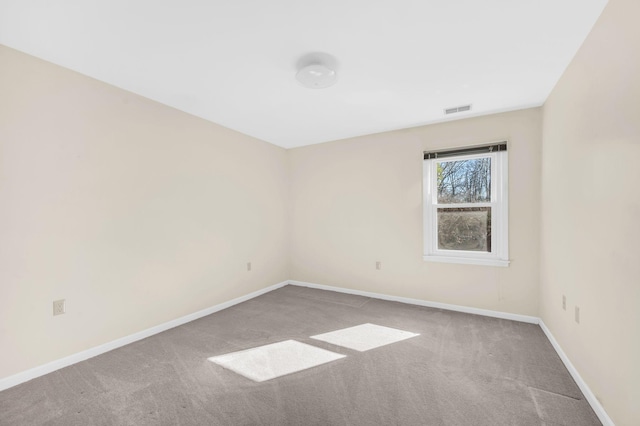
(593, 401)
(419, 302)
(591, 398)
(52, 366)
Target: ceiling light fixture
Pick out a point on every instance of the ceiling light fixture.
(317, 70)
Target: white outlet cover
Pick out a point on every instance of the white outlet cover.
(59, 307)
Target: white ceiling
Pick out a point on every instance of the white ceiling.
(233, 62)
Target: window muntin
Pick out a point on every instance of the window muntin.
(466, 209)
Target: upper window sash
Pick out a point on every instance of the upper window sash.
(433, 180)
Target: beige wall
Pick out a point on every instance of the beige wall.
(358, 201)
(133, 212)
(591, 211)
(138, 214)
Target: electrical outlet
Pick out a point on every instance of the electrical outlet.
(248, 266)
(578, 315)
(378, 265)
(564, 302)
(58, 307)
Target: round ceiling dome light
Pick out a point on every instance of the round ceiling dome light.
(317, 71)
(317, 76)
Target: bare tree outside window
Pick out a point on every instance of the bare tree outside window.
(465, 181)
(465, 229)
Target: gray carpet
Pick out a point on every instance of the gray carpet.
(462, 370)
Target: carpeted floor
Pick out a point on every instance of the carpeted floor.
(461, 370)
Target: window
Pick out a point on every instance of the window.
(466, 205)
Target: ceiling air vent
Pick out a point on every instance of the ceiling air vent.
(453, 110)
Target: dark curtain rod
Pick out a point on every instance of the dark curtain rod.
(482, 149)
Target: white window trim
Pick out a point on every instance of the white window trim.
(499, 215)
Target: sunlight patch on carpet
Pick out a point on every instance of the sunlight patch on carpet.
(365, 336)
(275, 360)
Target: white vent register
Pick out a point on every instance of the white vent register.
(453, 110)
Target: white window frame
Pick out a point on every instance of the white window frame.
(499, 255)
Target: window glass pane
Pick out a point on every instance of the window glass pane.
(464, 181)
(465, 229)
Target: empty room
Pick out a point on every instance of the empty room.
(337, 213)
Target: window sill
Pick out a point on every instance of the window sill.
(467, 260)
